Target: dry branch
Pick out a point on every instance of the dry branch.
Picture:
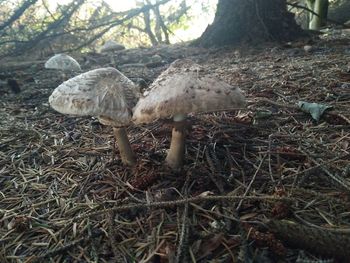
(17, 14)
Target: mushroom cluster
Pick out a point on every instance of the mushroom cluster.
(182, 89)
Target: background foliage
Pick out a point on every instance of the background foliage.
(86, 24)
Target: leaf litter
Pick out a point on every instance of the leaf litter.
(262, 183)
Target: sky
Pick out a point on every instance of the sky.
(198, 24)
(121, 5)
(117, 5)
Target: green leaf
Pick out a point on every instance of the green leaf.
(315, 109)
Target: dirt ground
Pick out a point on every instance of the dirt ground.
(265, 184)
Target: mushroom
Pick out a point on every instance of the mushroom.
(104, 93)
(62, 62)
(110, 47)
(182, 89)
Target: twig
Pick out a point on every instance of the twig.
(335, 178)
(180, 202)
(66, 247)
(184, 233)
(251, 182)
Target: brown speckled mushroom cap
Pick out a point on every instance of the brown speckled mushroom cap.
(62, 62)
(182, 89)
(104, 93)
(111, 45)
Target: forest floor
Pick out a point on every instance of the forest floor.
(265, 184)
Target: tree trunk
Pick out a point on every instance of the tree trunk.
(148, 29)
(320, 7)
(238, 21)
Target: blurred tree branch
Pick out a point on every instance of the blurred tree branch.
(130, 14)
(67, 13)
(18, 13)
(296, 5)
(57, 27)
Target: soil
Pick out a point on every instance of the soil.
(263, 184)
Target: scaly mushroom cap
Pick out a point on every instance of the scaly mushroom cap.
(184, 88)
(111, 45)
(62, 62)
(104, 93)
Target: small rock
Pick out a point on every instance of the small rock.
(308, 48)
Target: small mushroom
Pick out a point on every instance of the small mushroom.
(104, 93)
(109, 48)
(62, 62)
(182, 89)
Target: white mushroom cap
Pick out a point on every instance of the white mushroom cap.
(104, 93)
(62, 62)
(184, 89)
(111, 45)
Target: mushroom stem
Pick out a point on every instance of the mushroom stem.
(176, 152)
(126, 153)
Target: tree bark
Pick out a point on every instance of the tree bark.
(320, 7)
(238, 21)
